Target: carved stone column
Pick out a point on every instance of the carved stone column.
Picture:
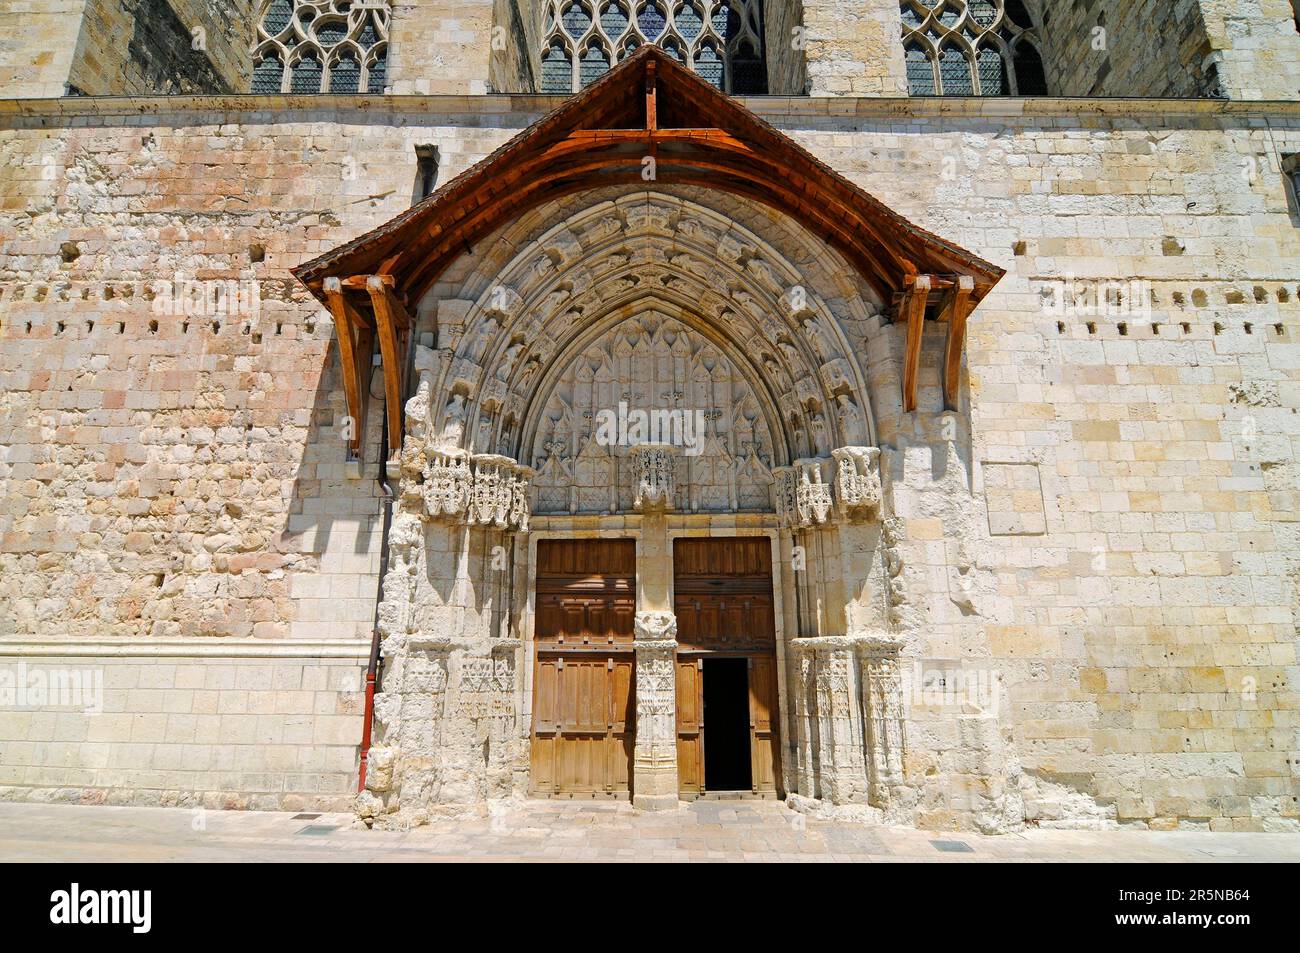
(834, 721)
(802, 667)
(654, 758)
(882, 702)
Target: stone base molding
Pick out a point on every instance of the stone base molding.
(849, 718)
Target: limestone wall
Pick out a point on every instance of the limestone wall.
(37, 50)
(1126, 48)
(171, 416)
(143, 47)
(1129, 573)
(445, 46)
(1259, 44)
(183, 722)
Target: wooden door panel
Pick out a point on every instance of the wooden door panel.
(723, 595)
(583, 724)
(765, 748)
(690, 728)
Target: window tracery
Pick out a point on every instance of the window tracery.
(971, 48)
(321, 46)
(721, 40)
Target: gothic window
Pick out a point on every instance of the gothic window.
(268, 74)
(920, 71)
(334, 46)
(971, 48)
(722, 40)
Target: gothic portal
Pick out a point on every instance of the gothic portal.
(642, 542)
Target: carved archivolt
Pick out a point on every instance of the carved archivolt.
(650, 303)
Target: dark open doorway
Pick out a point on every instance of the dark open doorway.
(726, 725)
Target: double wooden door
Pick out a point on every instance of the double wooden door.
(726, 623)
(584, 716)
(584, 705)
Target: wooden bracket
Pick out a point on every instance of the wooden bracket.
(912, 310)
(651, 97)
(395, 329)
(356, 337)
(958, 305)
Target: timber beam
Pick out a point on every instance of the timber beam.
(356, 335)
(912, 311)
(395, 330)
(957, 307)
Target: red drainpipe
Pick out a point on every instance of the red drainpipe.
(372, 669)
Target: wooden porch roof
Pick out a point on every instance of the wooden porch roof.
(647, 105)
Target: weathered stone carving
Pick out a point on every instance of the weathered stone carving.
(447, 481)
(504, 301)
(453, 421)
(853, 425)
(813, 493)
(483, 489)
(882, 703)
(836, 375)
(656, 466)
(654, 371)
(654, 768)
(803, 497)
(857, 482)
(492, 494)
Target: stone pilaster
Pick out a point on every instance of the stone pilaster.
(882, 706)
(833, 719)
(654, 757)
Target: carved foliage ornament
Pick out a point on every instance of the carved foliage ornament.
(480, 489)
(656, 464)
(804, 495)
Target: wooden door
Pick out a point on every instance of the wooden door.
(690, 725)
(764, 739)
(583, 724)
(722, 596)
(584, 720)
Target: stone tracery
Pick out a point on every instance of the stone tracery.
(321, 46)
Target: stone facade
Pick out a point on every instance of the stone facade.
(1070, 601)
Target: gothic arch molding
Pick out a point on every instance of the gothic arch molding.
(615, 259)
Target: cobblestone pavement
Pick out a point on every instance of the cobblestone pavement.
(577, 831)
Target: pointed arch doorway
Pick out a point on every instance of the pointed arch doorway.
(483, 453)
